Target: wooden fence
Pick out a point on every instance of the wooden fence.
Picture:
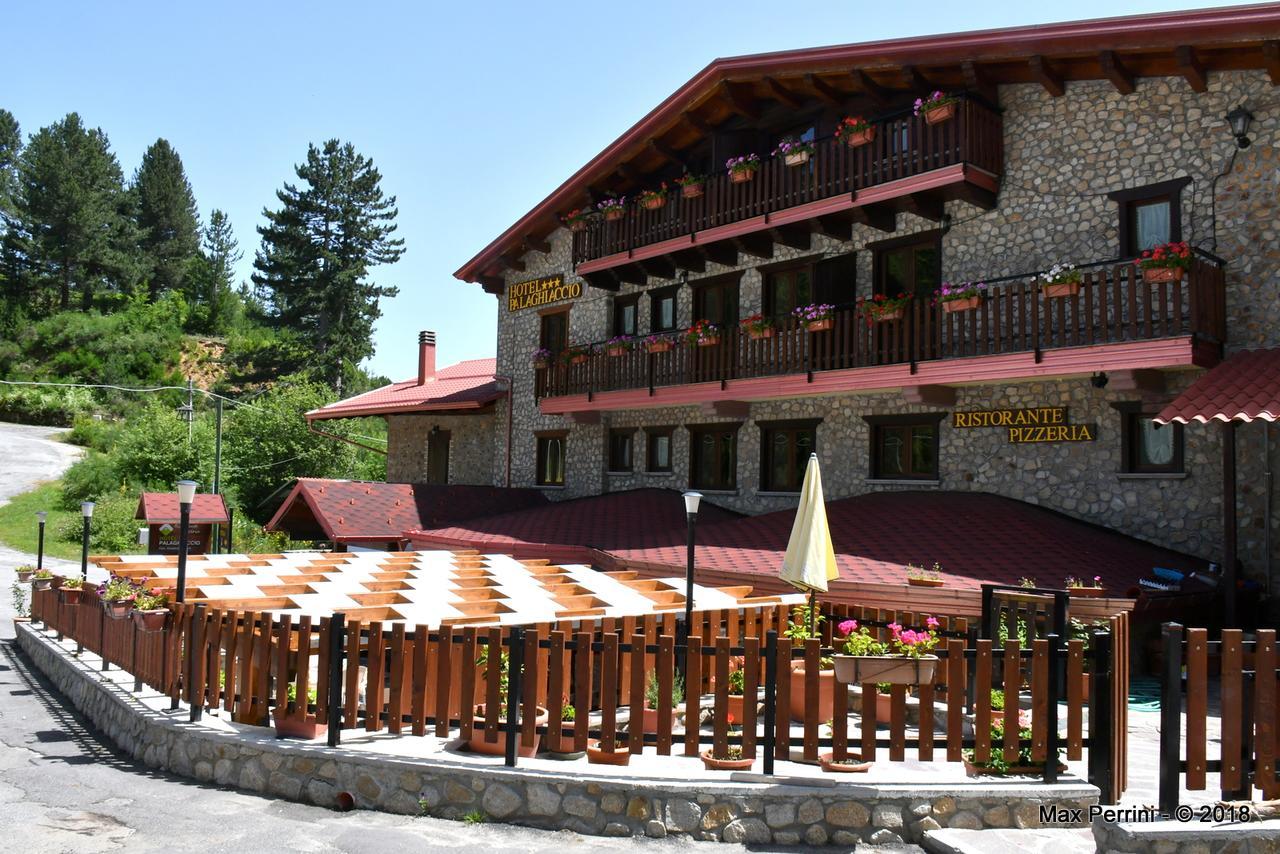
(1248, 688)
(375, 676)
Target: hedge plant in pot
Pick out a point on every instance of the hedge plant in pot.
(651, 200)
(498, 746)
(295, 720)
(42, 580)
(576, 219)
(659, 342)
(961, 296)
(613, 209)
(906, 659)
(618, 753)
(70, 590)
(150, 611)
(619, 345)
(799, 632)
(730, 757)
(758, 326)
(542, 358)
(703, 333)
(117, 595)
(742, 169)
(880, 308)
(649, 714)
(819, 317)
(737, 700)
(1060, 280)
(794, 152)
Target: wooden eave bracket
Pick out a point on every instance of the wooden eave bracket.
(726, 408)
(930, 395)
(586, 416)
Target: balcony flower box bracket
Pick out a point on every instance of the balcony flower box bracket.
(613, 215)
(894, 669)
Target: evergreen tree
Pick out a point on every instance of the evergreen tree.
(316, 252)
(71, 229)
(10, 149)
(167, 218)
(214, 299)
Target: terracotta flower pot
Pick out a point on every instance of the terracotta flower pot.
(884, 707)
(925, 582)
(1087, 592)
(118, 610)
(617, 351)
(652, 204)
(798, 159)
(613, 214)
(498, 747)
(709, 342)
(736, 706)
(823, 325)
(742, 176)
(941, 113)
(42, 583)
(649, 719)
(578, 225)
(596, 755)
(851, 765)
(951, 306)
(973, 770)
(151, 621)
(24, 575)
(297, 724)
(861, 137)
(660, 347)
(1154, 275)
(691, 191)
(826, 692)
(1058, 290)
(712, 764)
(895, 669)
(70, 595)
(577, 360)
(757, 334)
(889, 315)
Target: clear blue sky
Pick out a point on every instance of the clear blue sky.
(472, 111)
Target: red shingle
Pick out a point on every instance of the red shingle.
(161, 507)
(1244, 387)
(466, 385)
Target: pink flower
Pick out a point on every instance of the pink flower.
(848, 627)
(932, 622)
(895, 628)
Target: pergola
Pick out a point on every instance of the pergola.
(1244, 387)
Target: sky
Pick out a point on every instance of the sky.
(473, 112)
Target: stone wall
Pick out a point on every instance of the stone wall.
(1186, 837)
(471, 447)
(451, 787)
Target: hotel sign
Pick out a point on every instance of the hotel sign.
(1041, 424)
(535, 292)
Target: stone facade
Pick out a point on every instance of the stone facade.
(450, 787)
(471, 448)
(1062, 157)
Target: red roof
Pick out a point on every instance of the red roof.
(158, 508)
(360, 511)
(1244, 387)
(976, 537)
(466, 385)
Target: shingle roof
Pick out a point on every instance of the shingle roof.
(355, 511)
(466, 385)
(161, 507)
(1244, 387)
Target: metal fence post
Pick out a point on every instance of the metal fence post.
(770, 697)
(1101, 761)
(1171, 719)
(337, 637)
(1051, 709)
(515, 664)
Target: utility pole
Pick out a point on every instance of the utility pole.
(217, 467)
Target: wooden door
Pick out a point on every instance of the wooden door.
(438, 457)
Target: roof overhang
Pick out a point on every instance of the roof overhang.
(1245, 387)
(470, 407)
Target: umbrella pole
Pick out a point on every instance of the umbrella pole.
(813, 607)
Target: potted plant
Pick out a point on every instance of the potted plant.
(818, 317)
(795, 152)
(117, 595)
(651, 200)
(691, 186)
(703, 333)
(918, 576)
(69, 591)
(965, 296)
(150, 611)
(658, 343)
(42, 580)
(848, 765)
(541, 358)
(742, 169)
(737, 689)
(938, 107)
(498, 746)
(1164, 263)
(613, 209)
(25, 572)
(1060, 280)
(576, 354)
(799, 632)
(576, 219)
(649, 714)
(557, 742)
(1089, 589)
(996, 764)
(730, 758)
(296, 721)
(758, 326)
(618, 753)
(906, 659)
(854, 131)
(619, 345)
(1027, 583)
(882, 309)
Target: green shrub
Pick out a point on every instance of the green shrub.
(90, 479)
(53, 407)
(94, 432)
(113, 529)
(156, 450)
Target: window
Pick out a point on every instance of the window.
(909, 265)
(1149, 215)
(785, 447)
(662, 310)
(904, 447)
(621, 445)
(658, 455)
(787, 289)
(829, 280)
(551, 458)
(553, 333)
(713, 456)
(625, 315)
(1148, 447)
(716, 300)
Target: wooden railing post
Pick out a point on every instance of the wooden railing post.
(195, 662)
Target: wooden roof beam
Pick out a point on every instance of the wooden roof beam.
(1191, 68)
(916, 81)
(756, 244)
(605, 280)
(659, 267)
(737, 102)
(836, 226)
(1051, 80)
(1114, 70)
(691, 260)
(879, 95)
(1271, 61)
(537, 244)
(976, 79)
(823, 91)
(795, 236)
(720, 253)
(697, 124)
(924, 205)
(666, 151)
(782, 94)
(631, 274)
(492, 284)
(879, 216)
(512, 263)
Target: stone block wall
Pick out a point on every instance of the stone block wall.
(471, 447)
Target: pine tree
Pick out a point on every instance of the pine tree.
(212, 282)
(316, 253)
(10, 149)
(167, 218)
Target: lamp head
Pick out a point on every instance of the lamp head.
(691, 502)
(86, 509)
(187, 412)
(41, 516)
(186, 491)
(1239, 120)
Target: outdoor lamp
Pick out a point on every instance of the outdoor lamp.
(86, 509)
(1239, 119)
(42, 516)
(186, 491)
(691, 501)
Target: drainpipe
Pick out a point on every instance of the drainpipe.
(1269, 503)
(507, 381)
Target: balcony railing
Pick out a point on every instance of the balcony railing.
(904, 146)
(1113, 305)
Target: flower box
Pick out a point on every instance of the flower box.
(742, 176)
(798, 159)
(860, 137)
(1058, 290)
(940, 113)
(151, 621)
(597, 755)
(709, 342)
(652, 203)
(757, 334)
(848, 765)
(951, 306)
(658, 346)
(578, 225)
(889, 314)
(925, 582)
(118, 609)
(1037, 770)
(24, 575)
(711, 763)
(541, 364)
(613, 214)
(823, 325)
(1156, 275)
(617, 350)
(578, 360)
(691, 191)
(41, 583)
(1087, 592)
(894, 669)
(298, 724)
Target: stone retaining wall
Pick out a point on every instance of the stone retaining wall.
(1192, 837)
(749, 812)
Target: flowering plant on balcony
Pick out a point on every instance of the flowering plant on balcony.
(854, 130)
(659, 342)
(613, 209)
(1164, 263)
(654, 199)
(914, 644)
(576, 354)
(858, 640)
(1061, 274)
(1072, 581)
(938, 107)
(794, 151)
(962, 296)
(542, 357)
(691, 185)
(703, 333)
(619, 345)
(758, 326)
(882, 307)
(742, 168)
(905, 660)
(817, 317)
(576, 219)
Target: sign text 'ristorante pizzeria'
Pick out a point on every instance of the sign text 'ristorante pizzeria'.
(1038, 424)
(535, 292)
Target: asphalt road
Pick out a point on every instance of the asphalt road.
(63, 788)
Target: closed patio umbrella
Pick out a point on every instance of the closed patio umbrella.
(810, 561)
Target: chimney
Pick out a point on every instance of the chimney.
(426, 356)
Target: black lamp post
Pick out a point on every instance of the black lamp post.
(186, 495)
(86, 511)
(691, 501)
(41, 517)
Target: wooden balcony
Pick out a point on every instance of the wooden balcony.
(1110, 324)
(910, 165)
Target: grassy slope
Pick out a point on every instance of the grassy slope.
(18, 527)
